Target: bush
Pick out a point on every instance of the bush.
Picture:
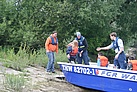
(14, 82)
(24, 58)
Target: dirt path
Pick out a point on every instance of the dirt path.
(39, 81)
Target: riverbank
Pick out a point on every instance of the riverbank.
(38, 80)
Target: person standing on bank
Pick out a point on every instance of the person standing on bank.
(117, 45)
(51, 46)
(82, 49)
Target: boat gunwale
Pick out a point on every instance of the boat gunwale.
(98, 67)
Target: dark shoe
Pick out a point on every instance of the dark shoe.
(53, 72)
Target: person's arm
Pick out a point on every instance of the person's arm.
(47, 44)
(85, 44)
(57, 48)
(70, 44)
(69, 50)
(105, 48)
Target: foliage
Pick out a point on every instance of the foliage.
(14, 82)
(16, 61)
(23, 59)
(126, 22)
(31, 22)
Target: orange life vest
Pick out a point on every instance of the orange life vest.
(134, 64)
(103, 61)
(50, 45)
(74, 51)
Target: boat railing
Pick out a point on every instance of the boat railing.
(95, 64)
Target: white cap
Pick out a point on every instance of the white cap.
(78, 33)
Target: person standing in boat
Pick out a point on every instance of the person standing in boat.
(82, 49)
(51, 46)
(72, 50)
(117, 45)
(102, 60)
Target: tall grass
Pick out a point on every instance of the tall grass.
(14, 82)
(24, 58)
(14, 60)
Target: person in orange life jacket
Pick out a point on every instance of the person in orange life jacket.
(72, 50)
(117, 45)
(51, 46)
(102, 60)
(82, 49)
(132, 64)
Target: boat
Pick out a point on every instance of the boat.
(100, 78)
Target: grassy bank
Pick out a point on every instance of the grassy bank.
(21, 60)
(25, 57)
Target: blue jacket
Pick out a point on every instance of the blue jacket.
(82, 44)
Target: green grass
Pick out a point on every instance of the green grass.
(22, 58)
(14, 82)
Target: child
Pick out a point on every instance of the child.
(102, 60)
(132, 64)
(72, 50)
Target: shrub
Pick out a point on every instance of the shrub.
(14, 82)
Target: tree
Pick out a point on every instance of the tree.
(31, 22)
(126, 22)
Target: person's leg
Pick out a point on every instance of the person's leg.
(70, 59)
(52, 62)
(122, 64)
(50, 59)
(79, 59)
(129, 66)
(85, 58)
(122, 60)
(116, 65)
(73, 60)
